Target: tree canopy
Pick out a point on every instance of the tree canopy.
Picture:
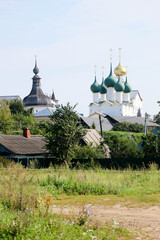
(157, 118)
(63, 132)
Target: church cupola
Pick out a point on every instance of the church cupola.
(127, 90)
(119, 87)
(120, 70)
(110, 81)
(103, 88)
(127, 87)
(36, 96)
(95, 88)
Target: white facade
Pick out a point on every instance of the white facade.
(126, 104)
(111, 94)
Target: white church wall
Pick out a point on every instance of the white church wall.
(111, 94)
(102, 97)
(126, 97)
(119, 97)
(95, 97)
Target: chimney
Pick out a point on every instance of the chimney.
(26, 132)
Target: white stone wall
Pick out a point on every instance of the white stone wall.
(121, 109)
(111, 94)
(126, 97)
(102, 97)
(95, 97)
(119, 97)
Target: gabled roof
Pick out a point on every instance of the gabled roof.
(106, 125)
(134, 119)
(96, 113)
(93, 137)
(134, 93)
(19, 145)
(9, 98)
(23, 146)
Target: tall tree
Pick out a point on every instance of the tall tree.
(6, 122)
(63, 132)
(157, 118)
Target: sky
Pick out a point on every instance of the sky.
(69, 37)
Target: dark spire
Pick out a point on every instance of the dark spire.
(53, 95)
(36, 69)
(36, 96)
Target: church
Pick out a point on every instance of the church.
(37, 99)
(114, 96)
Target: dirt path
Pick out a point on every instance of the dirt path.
(143, 221)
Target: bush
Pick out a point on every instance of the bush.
(4, 162)
(87, 152)
(128, 127)
(123, 146)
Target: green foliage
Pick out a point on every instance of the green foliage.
(4, 162)
(70, 187)
(63, 132)
(128, 127)
(93, 126)
(16, 106)
(87, 152)
(157, 118)
(151, 145)
(29, 225)
(6, 122)
(123, 146)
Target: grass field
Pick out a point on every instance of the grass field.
(26, 198)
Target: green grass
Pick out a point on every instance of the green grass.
(26, 197)
(31, 225)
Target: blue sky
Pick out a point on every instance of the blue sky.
(69, 37)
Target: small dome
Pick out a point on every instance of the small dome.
(36, 69)
(120, 70)
(103, 88)
(95, 87)
(119, 86)
(111, 80)
(127, 87)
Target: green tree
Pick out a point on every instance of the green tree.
(6, 122)
(151, 145)
(157, 118)
(16, 106)
(63, 132)
(123, 147)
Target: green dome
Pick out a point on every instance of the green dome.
(127, 87)
(95, 87)
(103, 88)
(119, 86)
(111, 79)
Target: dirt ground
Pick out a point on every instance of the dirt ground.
(143, 221)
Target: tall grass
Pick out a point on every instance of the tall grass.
(16, 182)
(25, 200)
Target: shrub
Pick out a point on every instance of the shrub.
(128, 127)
